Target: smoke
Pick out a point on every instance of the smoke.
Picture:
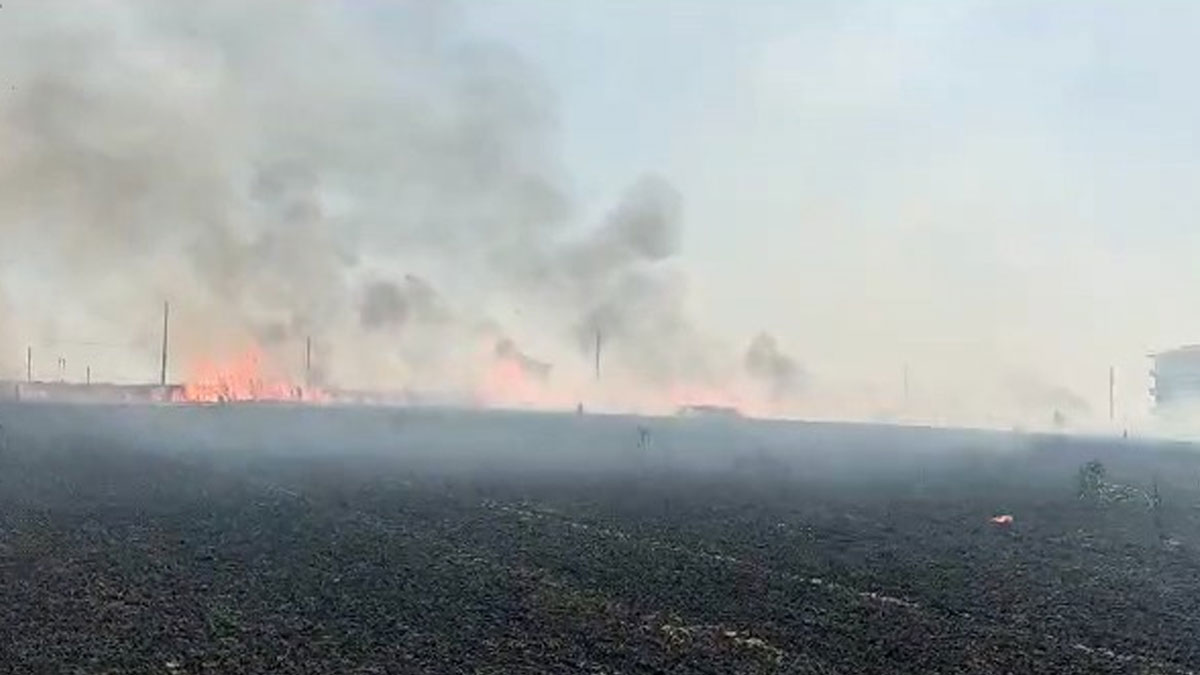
(765, 362)
(622, 279)
(643, 229)
(389, 305)
(262, 179)
(254, 175)
(376, 178)
(506, 350)
(1035, 397)
(268, 166)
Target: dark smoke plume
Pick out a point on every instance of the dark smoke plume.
(644, 228)
(767, 363)
(622, 278)
(259, 163)
(506, 350)
(389, 305)
(254, 174)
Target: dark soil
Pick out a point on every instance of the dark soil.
(115, 560)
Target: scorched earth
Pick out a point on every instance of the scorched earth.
(253, 540)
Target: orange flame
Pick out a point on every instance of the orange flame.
(508, 382)
(242, 378)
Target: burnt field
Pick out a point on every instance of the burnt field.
(268, 540)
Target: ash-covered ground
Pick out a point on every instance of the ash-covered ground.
(259, 539)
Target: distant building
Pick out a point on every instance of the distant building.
(1176, 377)
(709, 411)
(75, 392)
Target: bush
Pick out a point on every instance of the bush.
(1091, 480)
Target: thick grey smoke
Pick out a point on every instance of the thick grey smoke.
(621, 281)
(644, 228)
(389, 305)
(246, 160)
(264, 165)
(767, 363)
(506, 350)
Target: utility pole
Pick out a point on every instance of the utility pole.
(29, 364)
(162, 373)
(1112, 382)
(597, 355)
(88, 376)
(308, 363)
(62, 369)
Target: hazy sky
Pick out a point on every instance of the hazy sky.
(998, 197)
(1000, 189)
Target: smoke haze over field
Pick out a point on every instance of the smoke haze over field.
(777, 370)
(280, 170)
(786, 207)
(991, 193)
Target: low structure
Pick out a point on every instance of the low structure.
(1176, 377)
(75, 392)
(708, 411)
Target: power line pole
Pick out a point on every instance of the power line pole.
(1112, 382)
(29, 364)
(88, 376)
(308, 362)
(597, 355)
(162, 373)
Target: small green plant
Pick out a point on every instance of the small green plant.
(1091, 480)
(1093, 486)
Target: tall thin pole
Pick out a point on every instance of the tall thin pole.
(308, 362)
(162, 373)
(29, 364)
(1112, 381)
(597, 355)
(88, 376)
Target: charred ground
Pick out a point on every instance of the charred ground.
(197, 540)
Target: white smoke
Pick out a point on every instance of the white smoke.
(281, 171)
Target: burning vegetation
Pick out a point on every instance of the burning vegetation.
(245, 377)
(418, 199)
(512, 378)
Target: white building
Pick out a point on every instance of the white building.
(1176, 377)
